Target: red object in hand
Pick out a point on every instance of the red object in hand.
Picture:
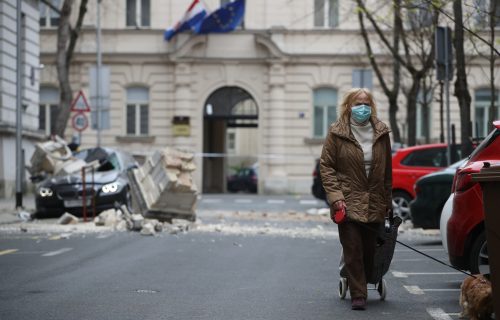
(339, 216)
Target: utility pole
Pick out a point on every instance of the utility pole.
(99, 67)
(19, 106)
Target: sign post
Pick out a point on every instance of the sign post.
(80, 121)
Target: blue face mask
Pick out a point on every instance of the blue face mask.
(361, 113)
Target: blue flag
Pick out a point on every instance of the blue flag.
(224, 19)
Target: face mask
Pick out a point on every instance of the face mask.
(361, 113)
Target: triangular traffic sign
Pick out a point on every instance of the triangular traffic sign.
(80, 103)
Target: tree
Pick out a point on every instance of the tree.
(418, 47)
(461, 87)
(67, 37)
(392, 94)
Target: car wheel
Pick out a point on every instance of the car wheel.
(401, 204)
(479, 261)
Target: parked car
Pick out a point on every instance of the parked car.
(56, 195)
(443, 222)
(317, 187)
(246, 179)
(432, 191)
(466, 235)
(411, 163)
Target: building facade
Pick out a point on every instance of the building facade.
(8, 88)
(265, 93)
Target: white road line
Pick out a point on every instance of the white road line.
(438, 314)
(211, 200)
(407, 260)
(313, 202)
(275, 201)
(243, 200)
(55, 253)
(419, 291)
(414, 290)
(7, 251)
(399, 274)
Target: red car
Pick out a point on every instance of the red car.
(409, 164)
(466, 235)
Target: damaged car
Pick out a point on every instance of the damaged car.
(102, 185)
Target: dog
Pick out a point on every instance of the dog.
(476, 298)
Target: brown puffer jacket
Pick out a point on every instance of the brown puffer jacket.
(344, 176)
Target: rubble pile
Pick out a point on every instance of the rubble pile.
(163, 186)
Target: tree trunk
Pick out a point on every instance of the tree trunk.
(412, 110)
(66, 94)
(493, 107)
(461, 87)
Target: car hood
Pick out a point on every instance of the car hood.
(99, 178)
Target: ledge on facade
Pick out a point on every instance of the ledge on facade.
(8, 129)
(131, 139)
(317, 141)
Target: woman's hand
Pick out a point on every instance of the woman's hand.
(337, 205)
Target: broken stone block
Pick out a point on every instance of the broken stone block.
(135, 222)
(67, 218)
(108, 218)
(148, 229)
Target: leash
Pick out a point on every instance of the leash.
(389, 237)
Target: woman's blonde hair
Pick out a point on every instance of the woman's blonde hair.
(348, 100)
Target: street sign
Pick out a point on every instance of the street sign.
(79, 121)
(80, 103)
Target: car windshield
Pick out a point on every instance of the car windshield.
(107, 161)
(486, 142)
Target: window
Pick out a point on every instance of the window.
(325, 110)
(482, 111)
(49, 17)
(49, 101)
(420, 14)
(362, 78)
(326, 13)
(137, 111)
(434, 157)
(138, 13)
(483, 11)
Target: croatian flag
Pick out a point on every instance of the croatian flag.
(193, 16)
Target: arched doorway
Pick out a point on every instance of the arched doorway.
(229, 136)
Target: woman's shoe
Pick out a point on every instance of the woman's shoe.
(358, 304)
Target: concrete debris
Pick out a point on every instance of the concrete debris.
(108, 218)
(24, 215)
(148, 229)
(163, 186)
(67, 218)
(135, 222)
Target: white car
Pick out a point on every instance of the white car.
(445, 216)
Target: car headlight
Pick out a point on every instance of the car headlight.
(110, 187)
(45, 192)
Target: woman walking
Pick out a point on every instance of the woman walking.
(356, 170)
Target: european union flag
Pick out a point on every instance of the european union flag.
(224, 19)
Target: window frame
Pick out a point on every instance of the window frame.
(138, 18)
(48, 105)
(326, 8)
(51, 18)
(138, 118)
(325, 111)
(485, 106)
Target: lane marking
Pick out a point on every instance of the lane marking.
(414, 290)
(419, 291)
(399, 274)
(308, 202)
(438, 314)
(55, 253)
(211, 200)
(243, 200)
(4, 252)
(275, 201)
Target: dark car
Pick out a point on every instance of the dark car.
(432, 191)
(317, 187)
(108, 184)
(246, 180)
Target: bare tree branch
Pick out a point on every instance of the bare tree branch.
(51, 6)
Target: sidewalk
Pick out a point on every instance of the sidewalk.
(8, 212)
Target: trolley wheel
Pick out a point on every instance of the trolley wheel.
(343, 288)
(382, 289)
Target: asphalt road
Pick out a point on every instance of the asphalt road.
(203, 274)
